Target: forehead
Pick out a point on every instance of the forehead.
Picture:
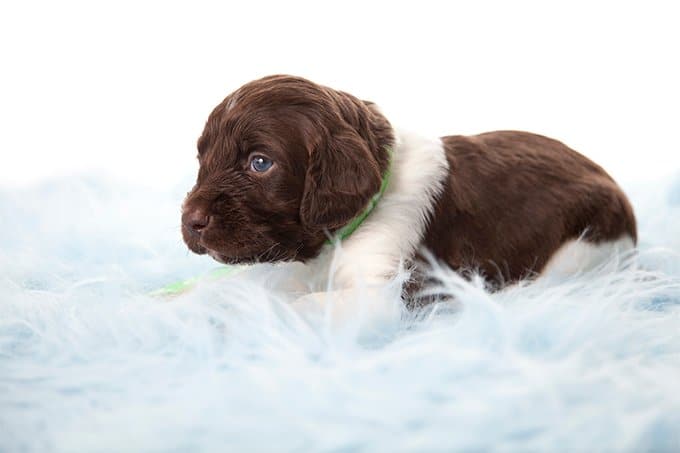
(279, 114)
(259, 116)
(246, 128)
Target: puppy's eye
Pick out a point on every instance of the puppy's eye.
(260, 164)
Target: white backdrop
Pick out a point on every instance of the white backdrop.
(90, 362)
(126, 87)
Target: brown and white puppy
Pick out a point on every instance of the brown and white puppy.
(285, 162)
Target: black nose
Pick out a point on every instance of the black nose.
(195, 220)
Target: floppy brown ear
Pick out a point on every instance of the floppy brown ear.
(342, 176)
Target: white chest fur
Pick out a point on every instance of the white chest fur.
(395, 228)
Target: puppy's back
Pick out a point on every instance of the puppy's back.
(513, 199)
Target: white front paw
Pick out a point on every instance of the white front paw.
(350, 308)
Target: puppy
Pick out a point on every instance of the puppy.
(290, 168)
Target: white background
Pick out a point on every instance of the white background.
(126, 87)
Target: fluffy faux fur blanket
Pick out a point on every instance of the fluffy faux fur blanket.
(90, 362)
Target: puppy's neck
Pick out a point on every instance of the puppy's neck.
(395, 228)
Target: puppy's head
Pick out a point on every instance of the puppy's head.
(283, 163)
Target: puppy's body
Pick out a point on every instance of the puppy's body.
(285, 163)
(500, 203)
(512, 199)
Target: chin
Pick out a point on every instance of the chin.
(250, 258)
(231, 260)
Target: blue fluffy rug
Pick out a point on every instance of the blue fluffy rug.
(90, 362)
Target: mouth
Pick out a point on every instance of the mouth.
(217, 257)
(196, 245)
(200, 249)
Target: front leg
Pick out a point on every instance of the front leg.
(363, 284)
(364, 308)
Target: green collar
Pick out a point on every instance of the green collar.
(345, 232)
